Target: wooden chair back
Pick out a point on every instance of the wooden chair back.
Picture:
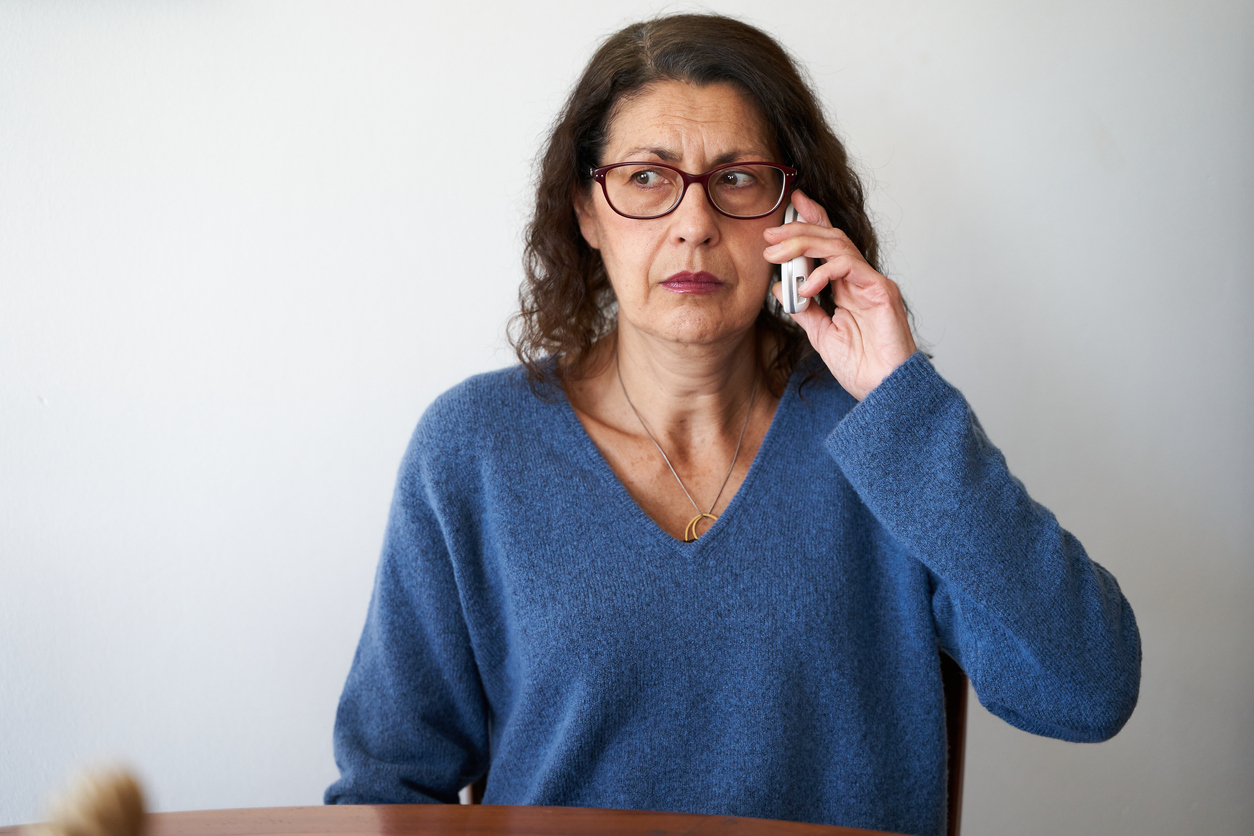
(954, 682)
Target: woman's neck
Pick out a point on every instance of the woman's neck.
(696, 404)
(689, 395)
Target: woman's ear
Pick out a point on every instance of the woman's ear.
(587, 223)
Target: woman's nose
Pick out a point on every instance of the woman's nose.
(695, 220)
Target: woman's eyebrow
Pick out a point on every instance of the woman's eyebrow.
(668, 156)
(662, 154)
(735, 156)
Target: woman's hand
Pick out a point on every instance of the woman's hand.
(869, 334)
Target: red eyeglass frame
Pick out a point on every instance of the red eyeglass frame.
(790, 174)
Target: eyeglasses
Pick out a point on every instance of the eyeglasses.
(644, 191)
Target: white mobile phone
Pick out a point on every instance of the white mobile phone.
(792, 274)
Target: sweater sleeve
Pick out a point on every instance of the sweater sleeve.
(411, 725)
(1044, 633)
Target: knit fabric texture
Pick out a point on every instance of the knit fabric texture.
(529, 620)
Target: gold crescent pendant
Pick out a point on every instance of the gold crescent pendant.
(690, 533)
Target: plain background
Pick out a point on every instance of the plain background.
(242, 246)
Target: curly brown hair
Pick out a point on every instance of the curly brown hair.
(566, 301)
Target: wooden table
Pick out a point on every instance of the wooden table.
(469, 820)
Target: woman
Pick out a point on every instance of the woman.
(679, 560)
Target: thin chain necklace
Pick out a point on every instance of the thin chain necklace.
(690, 532)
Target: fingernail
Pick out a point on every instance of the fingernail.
(772, 249)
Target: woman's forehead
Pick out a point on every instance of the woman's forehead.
(672, 121)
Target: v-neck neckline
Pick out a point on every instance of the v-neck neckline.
(615, 485)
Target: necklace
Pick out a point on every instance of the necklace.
(690, 531)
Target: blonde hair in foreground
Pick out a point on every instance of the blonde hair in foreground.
(105, 802)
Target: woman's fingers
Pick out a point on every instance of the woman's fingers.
(812, 241)
(857, 291)
(854, 282)
(813, 219)
(813, 319)
(809, 211)
(841, 261)
(822, 245)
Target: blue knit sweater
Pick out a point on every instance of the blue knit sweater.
(528, 616)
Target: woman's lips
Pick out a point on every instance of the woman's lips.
(686, 282)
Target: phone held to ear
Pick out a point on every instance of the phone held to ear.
(792, 274)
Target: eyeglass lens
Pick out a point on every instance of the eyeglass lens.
(651, 190)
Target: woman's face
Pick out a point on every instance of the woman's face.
(693, 276)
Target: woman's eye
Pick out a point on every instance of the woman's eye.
(737, 179)
(646, 177)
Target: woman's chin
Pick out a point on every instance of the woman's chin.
(697, 327)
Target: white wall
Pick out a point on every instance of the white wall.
(234, 241)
